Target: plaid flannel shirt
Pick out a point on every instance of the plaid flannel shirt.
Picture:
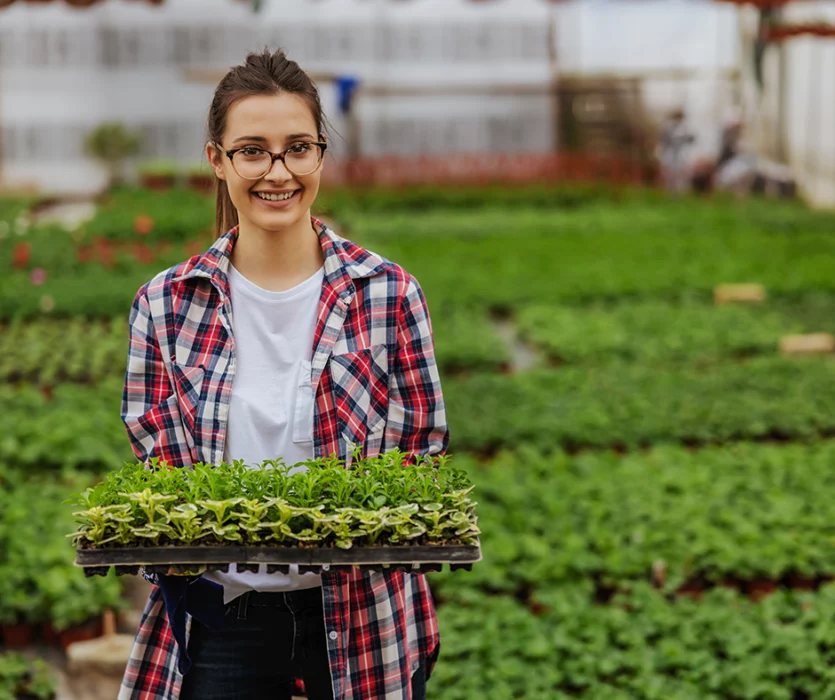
(375, 383)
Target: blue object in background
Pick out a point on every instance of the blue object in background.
(346, 84)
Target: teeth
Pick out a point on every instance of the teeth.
(275, 197)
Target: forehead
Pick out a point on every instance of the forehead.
(271, 116)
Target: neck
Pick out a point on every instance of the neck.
(278, 260)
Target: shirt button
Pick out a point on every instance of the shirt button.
(333, 635)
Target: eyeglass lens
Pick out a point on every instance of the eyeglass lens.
(301, 159)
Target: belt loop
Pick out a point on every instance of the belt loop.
(242, 606)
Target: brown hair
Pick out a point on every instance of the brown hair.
(264, 73)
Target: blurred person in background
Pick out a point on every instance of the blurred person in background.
(329, 345)
(676, 168)
(736, 170)
(742, 172)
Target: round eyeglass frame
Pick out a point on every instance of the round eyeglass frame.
(273, 157)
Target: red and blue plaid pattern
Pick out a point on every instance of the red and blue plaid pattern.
(376, 384)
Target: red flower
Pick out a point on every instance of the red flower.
(143, 224)
(143, 253)
(104, 251)
(22, 254)
(84, 253)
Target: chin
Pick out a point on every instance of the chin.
(278, 221)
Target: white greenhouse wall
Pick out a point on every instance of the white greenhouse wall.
(794, 123)
(63, 71)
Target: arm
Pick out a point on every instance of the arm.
(417, 420)
(149, 406)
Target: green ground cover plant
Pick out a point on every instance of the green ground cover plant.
(95, 349)
(177, 215)
(465, 340)
(90, 350)
(640, 646)
(51, 247)
(22, 679)
(813, 311)
(344, 203)
(86, 292)
(525, 255)
(493, 256)
(630, 406)
(38, 579)
(97, 279)
(159, 166)
(658, 332)
(731, 515)
(562, 531)
(381, 500)
(620, 405)
(67, 428)
(12, 208)
(63, 253)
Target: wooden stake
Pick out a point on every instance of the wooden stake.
(108, 620)
(809, 344)
(746, 293)
(659, 573)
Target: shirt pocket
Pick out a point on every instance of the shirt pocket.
(188, 386)
(360, 392)
(303, 416)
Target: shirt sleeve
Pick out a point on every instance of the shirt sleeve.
(149, 405)
(417, 421)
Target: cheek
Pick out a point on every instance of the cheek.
(239, 192)
(311, 188)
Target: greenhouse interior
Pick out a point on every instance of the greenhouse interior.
(557, 434)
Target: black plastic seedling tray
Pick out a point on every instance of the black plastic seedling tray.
(415, 559)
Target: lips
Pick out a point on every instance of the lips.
(277, 204)
(259, 192)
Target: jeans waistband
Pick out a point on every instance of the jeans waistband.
(279, 599)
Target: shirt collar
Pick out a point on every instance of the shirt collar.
(344, 261)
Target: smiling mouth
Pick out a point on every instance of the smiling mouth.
(276, 197)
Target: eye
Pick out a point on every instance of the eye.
(299, 148)
(252, 151)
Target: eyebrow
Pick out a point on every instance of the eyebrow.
(291, 137)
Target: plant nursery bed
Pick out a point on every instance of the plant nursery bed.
(414, 558)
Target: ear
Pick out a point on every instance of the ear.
(323, 138)
(215, 158)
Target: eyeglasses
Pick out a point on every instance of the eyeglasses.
(253, 162)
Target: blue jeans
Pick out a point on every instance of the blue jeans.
(268, 640)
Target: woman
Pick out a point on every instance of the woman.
(328, 346)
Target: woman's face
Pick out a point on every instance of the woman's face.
(274, 123)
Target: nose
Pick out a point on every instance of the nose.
(273, 175)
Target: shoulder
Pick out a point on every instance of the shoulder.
(160, 285)
(372, 270)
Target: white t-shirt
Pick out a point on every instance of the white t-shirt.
(271, 409)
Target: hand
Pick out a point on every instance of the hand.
(178, 570)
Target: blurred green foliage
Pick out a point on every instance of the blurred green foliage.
(614, 288)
